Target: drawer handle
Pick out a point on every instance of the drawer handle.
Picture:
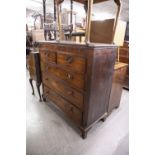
(69, 76)
(69, 59)
(70, 92)
(46, 79)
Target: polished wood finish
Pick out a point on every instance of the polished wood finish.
(74, 113)
(48, 56)
(80, 80)
(71, 61)
(72, 78)
(76, 97)
(35, 72)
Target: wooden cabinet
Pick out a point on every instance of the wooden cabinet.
(78, 79)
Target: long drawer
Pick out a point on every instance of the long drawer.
(67, 92)
(74, 113)
(76, 80)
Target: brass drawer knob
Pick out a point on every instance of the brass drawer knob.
(69, 76)
(69, 59)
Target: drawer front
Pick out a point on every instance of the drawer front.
(48, 56)
(73, 112)
(70, 94)
(76, 80)
(71, 61)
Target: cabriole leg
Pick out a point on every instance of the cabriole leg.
(44, 99)
(84, 134)
(30, 80)
(38, 88)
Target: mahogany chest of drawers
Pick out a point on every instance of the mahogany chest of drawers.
(77, 78)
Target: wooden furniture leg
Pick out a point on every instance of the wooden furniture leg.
(38, 88)
(84, 134)
(44, 99)
(103, 119)
(30, 80)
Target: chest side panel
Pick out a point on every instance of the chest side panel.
(100, 83)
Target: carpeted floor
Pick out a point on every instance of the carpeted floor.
(48, 132)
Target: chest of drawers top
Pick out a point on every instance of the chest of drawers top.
(71, 55)
(68, 45)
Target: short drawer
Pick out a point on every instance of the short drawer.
(74, 113)
(67, 92)
(71, 61)
(48, 56)
(76, 80)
